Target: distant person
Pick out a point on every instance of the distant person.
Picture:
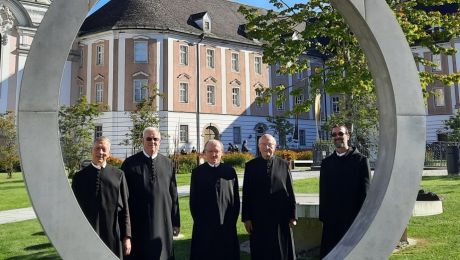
(215, 206)
(153, 200)
(183, 152)
(102, 193)
(244, 147)
(231, 148)
(236, 149)
(344, 181)
(269, 204)
(193, 149)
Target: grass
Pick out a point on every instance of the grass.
(437, 236)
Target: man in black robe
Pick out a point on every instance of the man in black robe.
(215, 206)
(344, 181)
(269, 204)
(153, 200)
(102, 193)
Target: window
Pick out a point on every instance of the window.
(183, 133)
(439, 99)
(436, 59)
(236, 96)
(141, 52)
(302, 139)
(97, 131)
(99, 92)
(207, 26)
(299, 99)
(80, 91)
(100, 54)
(211, 95)
(335, 105)
(235, 62)
(141, 91)
(183, 92)
(210, 58)
(237, 135)
(258, 95)
(82, 53)
(183, 59)
(258, 64)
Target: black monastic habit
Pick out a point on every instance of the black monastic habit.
(215, 206)
(269, 202)
(154, 206)
(103, 198)
(344, 181)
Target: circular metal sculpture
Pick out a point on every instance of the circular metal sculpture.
(386, 210)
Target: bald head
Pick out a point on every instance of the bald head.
(267, 146)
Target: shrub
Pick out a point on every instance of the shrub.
(237, 159)
(305, 155)
(186, 162)
(115, 161)
(286, 154)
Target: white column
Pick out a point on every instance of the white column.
(89, 78)
(5, 76)
(160, 65)
(121, 72)
(452, 90)
(111, 61)
(66, 84)
(170, 74)
(291, 98)
(22, 57)
(248, 83)
(223, 71)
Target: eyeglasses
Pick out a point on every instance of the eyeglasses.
(149, 139)
(337, 134)
(267, 145)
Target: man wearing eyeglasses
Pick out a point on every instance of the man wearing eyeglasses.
(344, 181)
(268, 209)
(154, 204)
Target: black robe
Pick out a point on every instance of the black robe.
(269, 202)
(344, 182)
(215, 206)
(153, 205)
(103, 198)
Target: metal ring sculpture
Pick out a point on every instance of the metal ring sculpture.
(386, 210)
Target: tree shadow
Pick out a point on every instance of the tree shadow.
(39, 247)
(38, 255)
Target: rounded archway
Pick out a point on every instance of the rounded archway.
(210, 132)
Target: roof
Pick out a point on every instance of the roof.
(169, 15)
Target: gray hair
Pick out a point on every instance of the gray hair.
(267, 136)
(215, 141)
(150, 129)
(102, 139)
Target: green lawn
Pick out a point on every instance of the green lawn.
(437, 236)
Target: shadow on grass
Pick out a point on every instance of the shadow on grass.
(39, 255)
(12, 187)
(41, 233)
(39, 247)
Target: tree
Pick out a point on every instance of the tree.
(282, 127)
(144, 116)
(452, 126)
(76, 125)
(316, 28)
(9, 157)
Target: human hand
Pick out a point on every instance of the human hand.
(248, 226)
(176, 231)
(126, 246)
(292, 223)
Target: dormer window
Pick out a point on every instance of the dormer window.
(202, 20)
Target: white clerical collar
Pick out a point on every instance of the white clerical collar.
(214, 165)
(153, 155)
(340, 154)
(104, 164)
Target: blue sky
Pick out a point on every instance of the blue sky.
(257, 3)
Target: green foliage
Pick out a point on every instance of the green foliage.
(236, 159)
(282, 127)
(294, 154)
(144, 116)
(115, 161)
(9, 156)
(76, 125)
(305, 155)
(185, 162)
(453, 127)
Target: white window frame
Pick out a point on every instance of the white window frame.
(210, 58)
(258, 65)
(140, 89)
(211, 94)
(98, 131)
(141, 48)
(100, 54)
(235, 58)
(335, 104)
(236, 96)
(99, 92)
(439, 97)
(183, 92)
(436, 59)
(183, 54)
(258, 94)
(183, 133)
(80, 91)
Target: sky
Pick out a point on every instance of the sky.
(257, 3)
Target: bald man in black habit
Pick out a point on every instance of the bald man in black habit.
(215, 206)
(102, 193)
(153, 199)
(269, 204)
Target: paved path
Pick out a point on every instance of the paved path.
(15, 215)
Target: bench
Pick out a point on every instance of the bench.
(304, 163)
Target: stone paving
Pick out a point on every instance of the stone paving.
(15, 215)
